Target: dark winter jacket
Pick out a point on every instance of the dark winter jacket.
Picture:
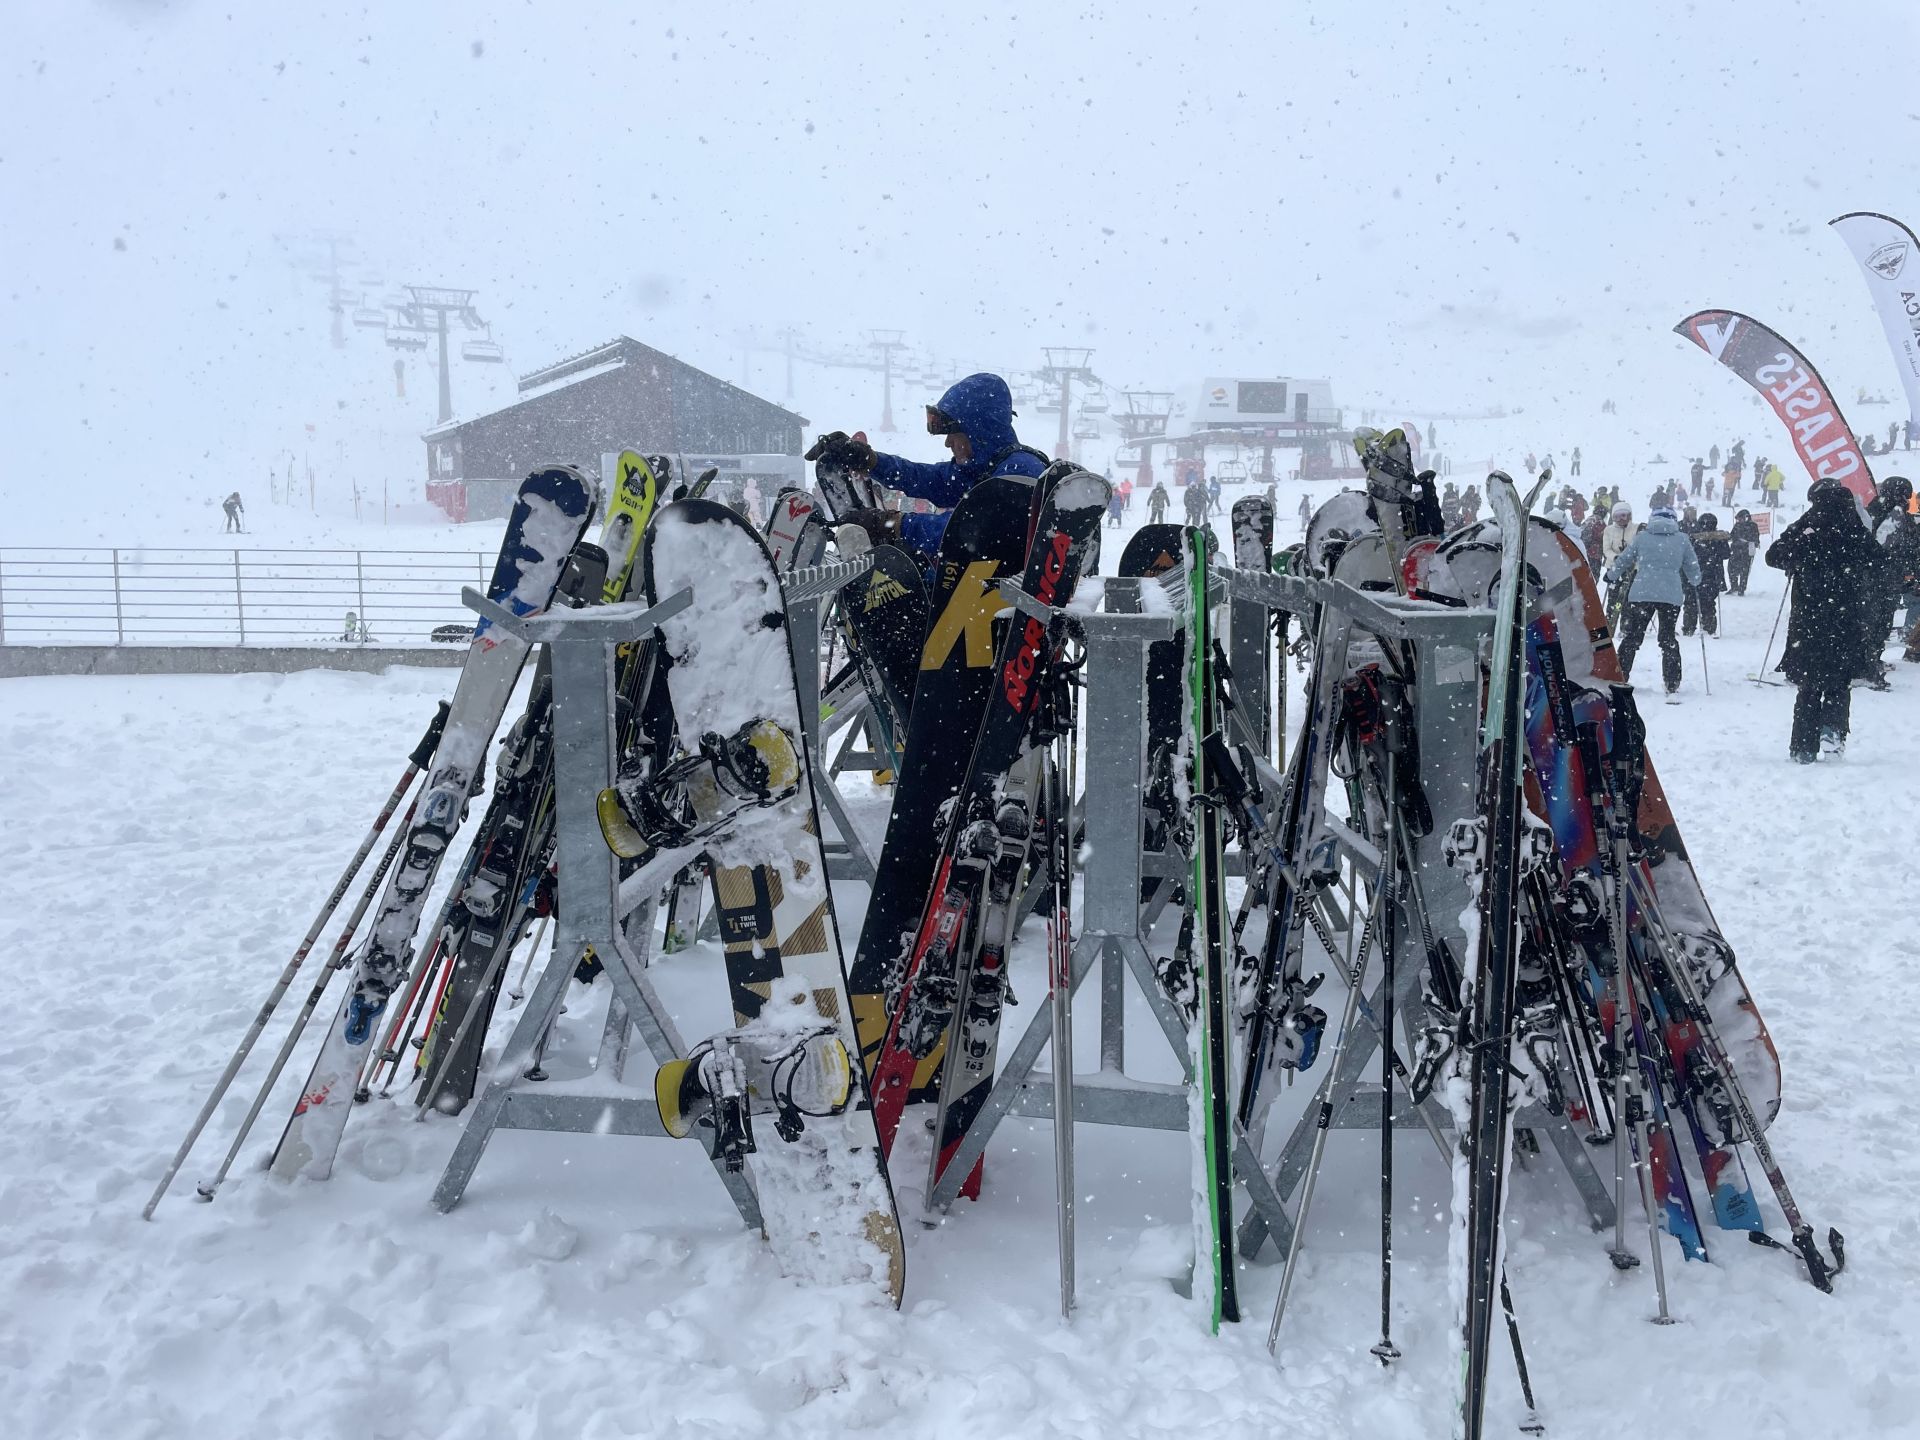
(1899, 537)
(1833, 562)
(1591, 534)
(982, 406)
(1660, 558)
(1745, 535)
(1711, 547)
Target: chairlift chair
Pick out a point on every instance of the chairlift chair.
(487, 351)
(370, 317)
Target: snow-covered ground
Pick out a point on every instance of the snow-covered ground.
(168, 839)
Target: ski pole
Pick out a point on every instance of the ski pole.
(1386, 1351)
(337, 960)
(1705, 677)
(1356, 976)
(421, 757)
(1785, 591)
(1405, 857)
(1060, 859)
(405, 1015)
(1642, 1123)
(519, 990)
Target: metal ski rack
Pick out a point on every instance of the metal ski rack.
(808, 591)
(1114, 930)
(516, 1096)
(1444, 641)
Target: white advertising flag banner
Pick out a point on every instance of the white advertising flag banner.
(1886, 250)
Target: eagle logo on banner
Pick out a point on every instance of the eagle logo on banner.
(1889, 260)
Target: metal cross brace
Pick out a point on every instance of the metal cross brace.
(1443, 642)
(581, 644)
(1112, 933)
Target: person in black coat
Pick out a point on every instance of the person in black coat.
(1832, 559)
(1713, 550)
(1743, 544)
(1898, 534)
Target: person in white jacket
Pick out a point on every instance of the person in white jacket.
(1617, 536)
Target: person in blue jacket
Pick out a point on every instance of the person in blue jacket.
(976, 417)
(1663, 564)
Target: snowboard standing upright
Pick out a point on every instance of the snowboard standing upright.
(884, 616)
(1151, 551)
(824, 1192)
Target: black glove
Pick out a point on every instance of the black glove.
(882, 526)
(844, 451)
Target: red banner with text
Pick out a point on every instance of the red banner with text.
(1791, 386)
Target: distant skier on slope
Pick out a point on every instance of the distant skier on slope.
(1745, 537)
(1663, 565)
(1712, 549)
(976, 417)
(1157, 502)
(1195, 501)
(236, 514)
(1830, 556)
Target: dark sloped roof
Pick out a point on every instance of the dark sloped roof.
(621, 351)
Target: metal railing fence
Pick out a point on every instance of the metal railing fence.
(145, 595)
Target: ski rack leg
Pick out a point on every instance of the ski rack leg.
(581, 645)
(1114, 925)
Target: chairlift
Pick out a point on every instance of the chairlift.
(487, 351)
(1086, 428)
(370, 317)
(407, 339)
(1096, 402)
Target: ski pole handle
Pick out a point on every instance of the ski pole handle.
(422, 755)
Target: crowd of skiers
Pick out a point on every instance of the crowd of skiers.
(1853, 568)
(1854, 580)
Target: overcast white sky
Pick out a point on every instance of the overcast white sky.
(1448, 205)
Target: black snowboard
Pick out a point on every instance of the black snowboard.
(886, 614)
(985, 539)
(1154, 550)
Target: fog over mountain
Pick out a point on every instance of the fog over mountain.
(1441, 207)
